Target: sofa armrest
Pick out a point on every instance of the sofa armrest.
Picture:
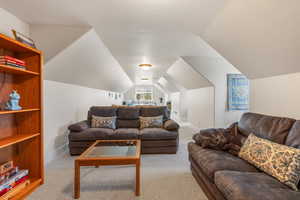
(79, 126)
(171, 125)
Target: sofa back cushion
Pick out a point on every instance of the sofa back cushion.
(154, 111)
(128, 113)
(293, 138)
(102, 111)
(275, 129)
(128, 123)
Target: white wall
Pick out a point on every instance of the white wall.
(175, 112)
(65, 104)
(157, 93)
(183, 105)
(278, 95)
(9, 21)
(216, 70)
(200, 104)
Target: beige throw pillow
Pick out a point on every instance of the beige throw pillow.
(103, 122)
(279, 161)
(151, 122)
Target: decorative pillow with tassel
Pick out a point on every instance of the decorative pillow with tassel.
(279, 161)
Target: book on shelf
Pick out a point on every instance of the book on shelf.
(5, 167)
(11, 61)
(13, 65)
(12, 182)
(9, 58)
(15, 190)
(8, 174)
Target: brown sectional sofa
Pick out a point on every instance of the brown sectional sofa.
(224, 176)
(153, 140)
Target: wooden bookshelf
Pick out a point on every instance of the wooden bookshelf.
(15, 70)
(21, 131)
(5, 112)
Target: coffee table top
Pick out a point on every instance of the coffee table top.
(113, 149)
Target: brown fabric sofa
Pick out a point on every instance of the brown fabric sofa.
(222, 175)
(153, 140)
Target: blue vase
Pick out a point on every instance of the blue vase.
(13, 103)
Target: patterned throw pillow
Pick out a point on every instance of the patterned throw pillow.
(151, 122)
(279, 161)
(103, 122)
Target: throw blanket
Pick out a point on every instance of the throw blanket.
(221, 139)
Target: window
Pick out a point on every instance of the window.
(143, 94)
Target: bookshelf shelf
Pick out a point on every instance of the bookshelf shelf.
(16, 139)
(34, 183)
(5, 112)
(15, 70)
(21, 135)
(16, 46)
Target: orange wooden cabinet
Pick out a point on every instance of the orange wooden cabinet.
(21, 132)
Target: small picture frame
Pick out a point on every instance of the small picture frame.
(23, 39)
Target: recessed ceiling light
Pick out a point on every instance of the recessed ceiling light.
(145, 66)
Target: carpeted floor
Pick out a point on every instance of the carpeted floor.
(163, 177)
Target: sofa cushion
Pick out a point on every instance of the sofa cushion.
(102, 111)
(128, 123)
(125, 133)
(103, 122)
(91, 134)
(211, 161)
(277, 160)
(157, 134)
(153, 111)
(236, 185)
(293, 138)
(151, 122)
(128, 113)
(275, 129)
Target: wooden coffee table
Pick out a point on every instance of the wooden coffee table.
(110, 152)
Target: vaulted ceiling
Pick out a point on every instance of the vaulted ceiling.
(259, 38)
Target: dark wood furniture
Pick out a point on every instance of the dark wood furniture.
(109, 152)
(21, 135)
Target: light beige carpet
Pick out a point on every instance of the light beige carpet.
(163, 177)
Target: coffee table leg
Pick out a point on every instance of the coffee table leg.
(77, 181)
(137, 178)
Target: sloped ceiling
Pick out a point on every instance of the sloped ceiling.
(173, 83)
(52, 39)
(260, 38)
(182, 73)
(213, 69)
(133, 35)
(161, 48)
(88, 62)
(168, 86)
